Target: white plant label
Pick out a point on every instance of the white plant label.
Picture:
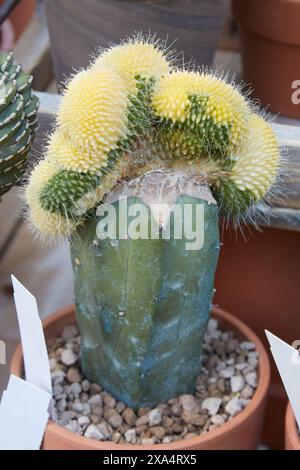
(36, 361)
(288, 363)
(23, 415)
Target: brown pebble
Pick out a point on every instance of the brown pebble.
(120, 407)
(84, 397)
(191, 428)
(97, 410)
(221, 385)
(197, 420)
(140, 429)
(95, 419)
(167, 422)
(176, 410)
(146, 435)
(129, 417)
(108, 400)
(105, 429)
(178, 428)
(95, 389)
(247, 392)
(73, 375)
(158, 431)
(142, 420)
(116, 437)
(143, 411)
(113, 418)
(123, 428)
(173, 401)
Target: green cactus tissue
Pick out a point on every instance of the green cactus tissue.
(145, 158)
(18, 121)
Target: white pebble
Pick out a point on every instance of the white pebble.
(227, 373)
(85, 385)
(86, 409)
(57, 377)
(189, 404)
(75, 388)
(251, 379)
(212, 405)
(237, 383)
(217, 419)
(234, 406)
(212, 325)
(221, 366)
(130, 436)
(230, 362)
(92, 432)
(247, 346)
(57, 390)
(148, 441)
(83, 420)
(68, 415)
(105, 429)
(52, 363)
(68, 357)
(62, 405)
(154, 417)
(78, 407)
(72, 426)
(244, 402)
(95, 400)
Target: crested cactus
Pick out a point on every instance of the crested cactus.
(18, 121)
(134, 127)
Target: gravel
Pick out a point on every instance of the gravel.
(225, 386)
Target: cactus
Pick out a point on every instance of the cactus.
(133, 125)
(18, 121)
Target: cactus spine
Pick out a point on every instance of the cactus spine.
(133, 124)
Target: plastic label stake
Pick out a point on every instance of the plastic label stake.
(23, 415)
(36, 362)
(288, 363)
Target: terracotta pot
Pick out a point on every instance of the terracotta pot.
(242, 432)
(258, 281)
(270, 37)
(193, 26)
(21, 16)
(292, 438)
(7, 36)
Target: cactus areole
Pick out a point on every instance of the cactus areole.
(144, 160)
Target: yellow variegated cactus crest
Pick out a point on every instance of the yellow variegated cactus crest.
(133, 110)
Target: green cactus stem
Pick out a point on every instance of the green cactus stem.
(18, 121)
(143, 304)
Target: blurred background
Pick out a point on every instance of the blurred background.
(256, 42)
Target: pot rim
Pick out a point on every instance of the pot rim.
(265, 19)
(291, 428)
(82, 442)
